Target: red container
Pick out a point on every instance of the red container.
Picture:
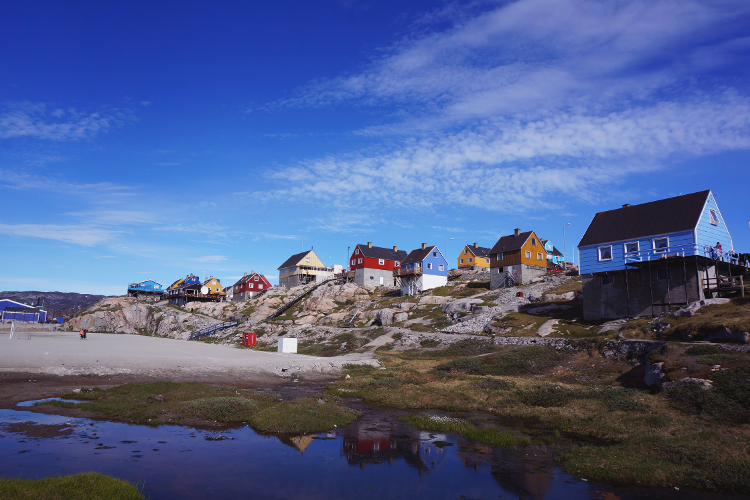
(249, 338)
(519, 294)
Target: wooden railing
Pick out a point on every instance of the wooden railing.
(407, 272)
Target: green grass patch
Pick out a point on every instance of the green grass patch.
(488, 435)
(728, 401)
(715, 359)
(517, 361)
(304, 416)
(702, 350)
(84, 486)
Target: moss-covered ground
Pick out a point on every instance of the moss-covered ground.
(85, 486)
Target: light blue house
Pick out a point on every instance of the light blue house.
(423, 269)
(649, 258)
(148, 287)
(554, 256)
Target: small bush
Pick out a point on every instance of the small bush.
(702, 350)
(222, 409)
(496, 384)
(518, 361)
(714, 359)
(728, 401)
(546, 396)
(383, 382)
(429, 343)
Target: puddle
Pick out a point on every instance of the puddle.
(32, 403)
(375, 457)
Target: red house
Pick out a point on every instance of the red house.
(249, 285)
(373, 266)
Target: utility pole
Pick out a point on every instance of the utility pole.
(446, 250)
(565, 258)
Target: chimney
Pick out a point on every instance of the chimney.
(395, 248)
(245, 274)
(424, 246)
(517, 232)
(369, 244)
(475, 245)
(626, 205)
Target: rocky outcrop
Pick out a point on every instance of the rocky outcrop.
(692, 308)
(725, 334)
(654, 375)
(433, 299)
(553, 297)
(390, 316)
(460, 306)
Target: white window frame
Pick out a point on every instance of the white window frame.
(429, 265)
(539, 256)
(462, 261)
(713, 217)
(441, 267)
(499, 256)
(307, 260)
(354, 262)
(255, 279)
(359, 261)
(528, 254)
(356, 251)
(470, 259)
(260, 286)
(381, 261)
(533, 242)
(397, 264)
(659, 250)
(599, 253)
(488, 260)
(250, 285)
(637, 246)
(434, 255)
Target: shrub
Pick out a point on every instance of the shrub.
(546, 395)
(428, 343)
(728, 401)
(495, 384)
(518, 361)
(702, 350)
(222, 409)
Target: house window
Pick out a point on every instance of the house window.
(533, 241)
(434, 254)
(356, 252)
(440, 267)
(397, 264)
(500, 256)
(488, 260)
(607, 280)
(605, 253)
(360, 260)
(714, 216)
(354, 261)
(539, 256)
(466, 251)
(307, 259)
(250, 285)
(260, 286)
(663, 274)
(462, 261)
(381, 261)
(372, 277)
(429, 265)
(660, 244)
(528, 254)
(256, 278)
(470, 259)
(632, 247)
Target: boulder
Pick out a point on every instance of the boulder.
(479, 309)
(305, 320)
(692, 308)
(460, 306)
(654, 375)
(399, 317)
(433, 299)
(704, 384)
(320, 304)
(406, 306)
(385, 316)
(554, 297)
(726, 334)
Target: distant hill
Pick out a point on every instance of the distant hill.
(55, 303)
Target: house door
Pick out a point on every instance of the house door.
(381, 281)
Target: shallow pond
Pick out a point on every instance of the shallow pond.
(375, 457)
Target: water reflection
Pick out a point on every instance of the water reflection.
(375, 457)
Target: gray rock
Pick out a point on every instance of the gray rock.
(433, 299)
(728, 335)
(399, 317)
(460, 306)
(705, 384)
(654, 374)
(693, 307)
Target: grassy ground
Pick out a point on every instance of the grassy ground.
(85, 486)
(169, 402)
(685, 439)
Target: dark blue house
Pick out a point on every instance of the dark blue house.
(10, 310)
(648, 258)
(423, 269)
(148, 288)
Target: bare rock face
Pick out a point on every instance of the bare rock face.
(554, 297)
(693, 307)
(385, 316)
(400, 316)
(406, 306)
(433, 299)
(460, 306)
(654, 374)
(320, 304)
(725, 334)
(334, 318)
(305, 320)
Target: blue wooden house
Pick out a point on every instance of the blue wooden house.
(554, 256)
(143, 289)
(423, 269)
(649, 258)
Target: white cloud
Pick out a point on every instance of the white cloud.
(34, 120)
(104, 256)
(210, 258)
(78, 234)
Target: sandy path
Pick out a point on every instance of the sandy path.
(103, 354)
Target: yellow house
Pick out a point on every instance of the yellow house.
(474, 257)
(517, 259)
(172, 289)
(303, 268)
(214, 286)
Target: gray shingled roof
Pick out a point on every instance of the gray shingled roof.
(479, 251)
(510, 243)
(670, 215)
(294, 259)
(382, 253)
(417, 255)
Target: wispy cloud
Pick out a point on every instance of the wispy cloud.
(78, 234)
(37, 120)
(210, 258)
(104, 256)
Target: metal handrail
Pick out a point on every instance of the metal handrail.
(678, 250)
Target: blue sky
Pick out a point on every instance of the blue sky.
(149, 140)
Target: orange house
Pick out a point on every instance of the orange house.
(517, 259)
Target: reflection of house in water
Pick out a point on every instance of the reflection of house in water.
(526, 471)
(370, 442)
(297, 442)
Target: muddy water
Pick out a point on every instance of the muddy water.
(376, 457)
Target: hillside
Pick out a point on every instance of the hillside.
(56, 303)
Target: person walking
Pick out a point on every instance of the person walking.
(719, 250)
(80, 334)
(84, 334)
